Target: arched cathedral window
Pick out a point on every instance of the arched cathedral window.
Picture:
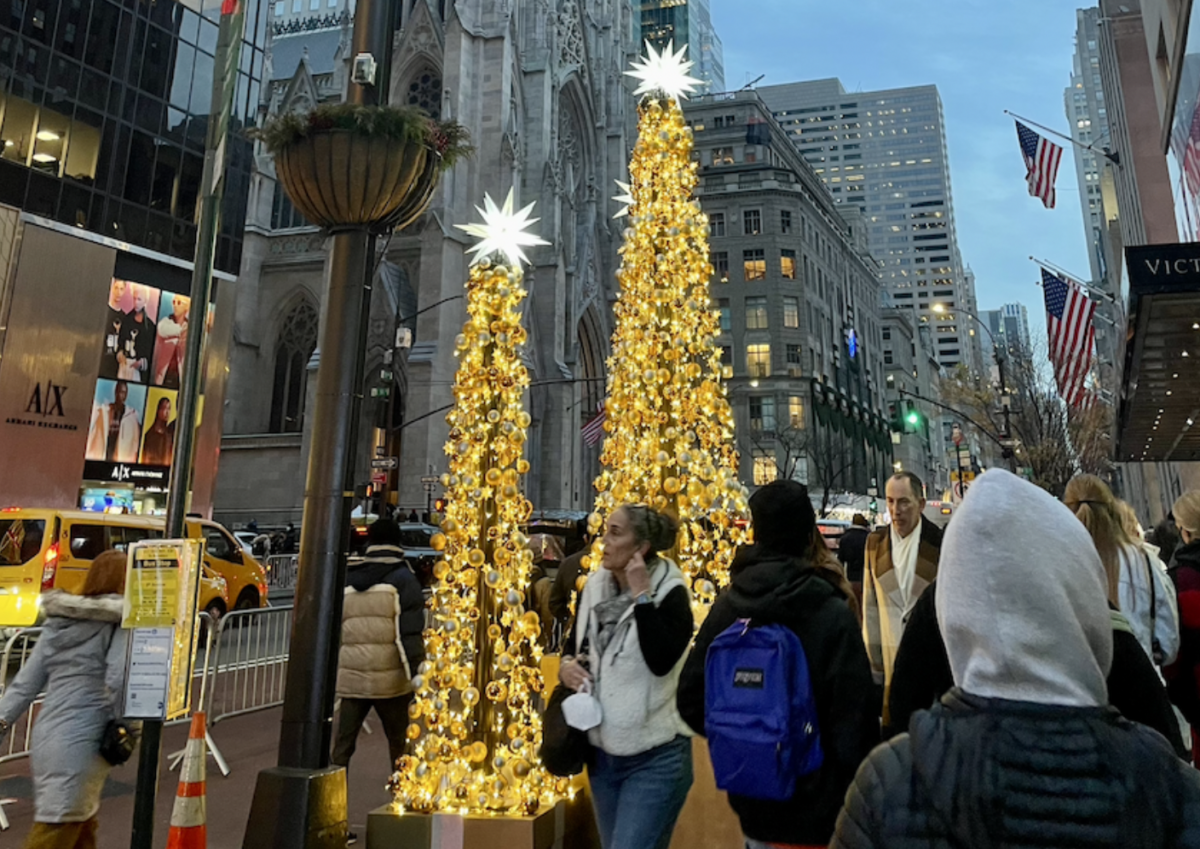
(425, 92)
(295, 346)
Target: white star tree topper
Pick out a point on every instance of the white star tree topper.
(666, 72)
(502, 231)
(625, 198)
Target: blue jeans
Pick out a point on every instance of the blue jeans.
(638, 798)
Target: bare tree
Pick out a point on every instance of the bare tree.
(1054, 443)
(827, 460)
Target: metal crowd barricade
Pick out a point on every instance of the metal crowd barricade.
(203, 669)
(251, 661)
(281, 571)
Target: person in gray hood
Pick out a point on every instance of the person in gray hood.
(1024, 751)
(79, 662)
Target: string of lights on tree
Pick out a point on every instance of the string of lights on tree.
(474, 725)
(669, 426)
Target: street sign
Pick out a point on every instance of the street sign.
(964, 461)
(956, 436)
(379, 478)
(384, 463)
(430, 479)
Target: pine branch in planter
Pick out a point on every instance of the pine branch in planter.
(402, 123)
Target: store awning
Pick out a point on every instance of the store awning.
(1160, 398)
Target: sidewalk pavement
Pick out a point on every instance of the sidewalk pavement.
(249, 743)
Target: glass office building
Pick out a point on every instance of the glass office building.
(104, 109)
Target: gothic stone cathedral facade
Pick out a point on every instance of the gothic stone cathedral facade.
(540, 86)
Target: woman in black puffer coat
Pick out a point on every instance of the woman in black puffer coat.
(1025, 751)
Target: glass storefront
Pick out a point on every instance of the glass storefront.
(104, 108)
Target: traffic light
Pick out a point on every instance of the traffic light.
(914, 419)
(439, 505)
(895, 420)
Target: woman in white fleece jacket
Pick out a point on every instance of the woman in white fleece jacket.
(631, 634)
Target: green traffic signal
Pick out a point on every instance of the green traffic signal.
(913, 418)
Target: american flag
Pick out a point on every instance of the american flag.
(1072, 335)
(1191, 154)
(1042, 157)
(594, 428)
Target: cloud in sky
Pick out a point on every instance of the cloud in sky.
(984, 57)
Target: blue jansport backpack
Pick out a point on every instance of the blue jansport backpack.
(760, 716)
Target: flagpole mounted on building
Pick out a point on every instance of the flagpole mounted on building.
(1111, 155)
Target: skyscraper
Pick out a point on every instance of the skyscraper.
(885, 152)
(1087, 115)
(1009, 326)
(687, 22)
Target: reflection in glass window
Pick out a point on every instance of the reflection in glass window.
(723, 306)
(787, 264)
(765, 468)
(756, 314)
(754, 264)
(758, 360)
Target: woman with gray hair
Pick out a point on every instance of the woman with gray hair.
(632, 631)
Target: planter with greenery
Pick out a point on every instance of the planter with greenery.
(350, 166)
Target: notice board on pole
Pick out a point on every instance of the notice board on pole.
(162, 585)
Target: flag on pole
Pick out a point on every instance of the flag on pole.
(593, 429)
(1042, 158)
(1072, 334)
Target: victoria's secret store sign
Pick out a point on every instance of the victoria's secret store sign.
(1164, 269)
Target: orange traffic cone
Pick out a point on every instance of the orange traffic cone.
(188, 816)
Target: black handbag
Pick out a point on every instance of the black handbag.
(565, 750)
(118, 742)
(119, 738)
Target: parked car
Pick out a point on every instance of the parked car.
(43, 549)
(414, 541)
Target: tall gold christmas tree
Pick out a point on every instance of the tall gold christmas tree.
(474, 728)
(669, 426)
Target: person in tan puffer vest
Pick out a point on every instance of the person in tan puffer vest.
(383, 617)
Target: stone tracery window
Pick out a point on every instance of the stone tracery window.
(425, 92)
(295, 346)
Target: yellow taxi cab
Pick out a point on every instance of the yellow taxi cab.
(42, 549)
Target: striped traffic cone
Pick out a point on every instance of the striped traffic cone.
(188, 816)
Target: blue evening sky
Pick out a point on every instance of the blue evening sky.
(984, 57)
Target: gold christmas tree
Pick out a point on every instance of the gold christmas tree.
(669, 426)
(474, 728)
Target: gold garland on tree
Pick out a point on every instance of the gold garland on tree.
(475, 729)
(669, 426)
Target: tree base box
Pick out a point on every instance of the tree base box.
(568, 825)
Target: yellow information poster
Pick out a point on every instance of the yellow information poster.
(162, 583)
(152, 586)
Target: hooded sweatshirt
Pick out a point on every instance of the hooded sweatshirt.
(772, 587)
(1023, 752)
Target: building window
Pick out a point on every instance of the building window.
(762, 414)
(723, 306)
(765, 468)
(297, 341)
(887, 358)
(280, 8)
(425, 92)
(756, 314)
(787, 264)
(758, 360)
(720, 263)
(887, 334)
(722, 156)
(284, 215)
(754, 264)
(791, 312)
(796, 412)
(795, 365)
(716, 225)
(752, 222)
(726, 355)
(785, 221)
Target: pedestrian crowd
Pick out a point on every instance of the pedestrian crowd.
(1028, 677)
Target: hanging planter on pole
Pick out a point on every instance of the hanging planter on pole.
(346, 166)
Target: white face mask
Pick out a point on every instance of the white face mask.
(582, 710)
